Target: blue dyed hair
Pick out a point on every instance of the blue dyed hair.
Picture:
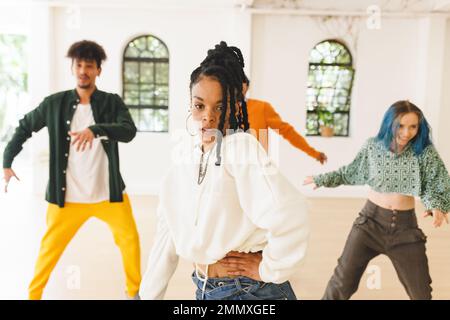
(391, 123)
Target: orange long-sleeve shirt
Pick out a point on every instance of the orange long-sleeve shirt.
(261, 115)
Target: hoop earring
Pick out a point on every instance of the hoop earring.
(187, 129)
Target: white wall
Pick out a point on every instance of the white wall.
(402, 60)
(12, 19)
(34, 23)
(444, 116)
(389, 67)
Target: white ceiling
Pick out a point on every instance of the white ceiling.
(338, 5)
(357, 5)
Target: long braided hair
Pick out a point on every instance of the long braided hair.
(226, 64)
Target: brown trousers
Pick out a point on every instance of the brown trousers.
(381, 231)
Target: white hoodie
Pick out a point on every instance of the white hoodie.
(244, 205)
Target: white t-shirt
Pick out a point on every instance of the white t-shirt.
(87, 175)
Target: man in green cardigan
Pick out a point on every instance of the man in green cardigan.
(84, 126)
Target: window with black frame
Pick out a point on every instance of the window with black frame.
(328, 94)
(146, 83)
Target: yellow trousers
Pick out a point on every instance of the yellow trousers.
(63, 223)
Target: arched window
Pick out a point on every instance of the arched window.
(330, 80)
(14, 97)
(146, 83)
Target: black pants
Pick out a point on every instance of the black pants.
(381, 231)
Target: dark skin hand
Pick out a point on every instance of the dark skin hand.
(242, 264)
(322, 158)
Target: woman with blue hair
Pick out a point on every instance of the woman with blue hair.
(399, 163)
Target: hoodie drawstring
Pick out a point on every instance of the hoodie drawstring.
(205, 279)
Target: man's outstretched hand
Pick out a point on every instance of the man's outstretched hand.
(8, 173)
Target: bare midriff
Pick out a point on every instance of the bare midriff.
(392, 201)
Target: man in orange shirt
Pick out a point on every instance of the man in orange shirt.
(261, 116)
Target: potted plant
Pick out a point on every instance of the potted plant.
(326, 122)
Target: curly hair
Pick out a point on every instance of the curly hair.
(88, 51)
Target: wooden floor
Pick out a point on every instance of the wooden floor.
(91, 266)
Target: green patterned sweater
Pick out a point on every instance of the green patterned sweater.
(384, 171)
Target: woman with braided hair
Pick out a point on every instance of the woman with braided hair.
(238, 204)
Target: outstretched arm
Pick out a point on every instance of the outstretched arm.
(288, 132)
(33, 121)
(355, 173)
(435, 186)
